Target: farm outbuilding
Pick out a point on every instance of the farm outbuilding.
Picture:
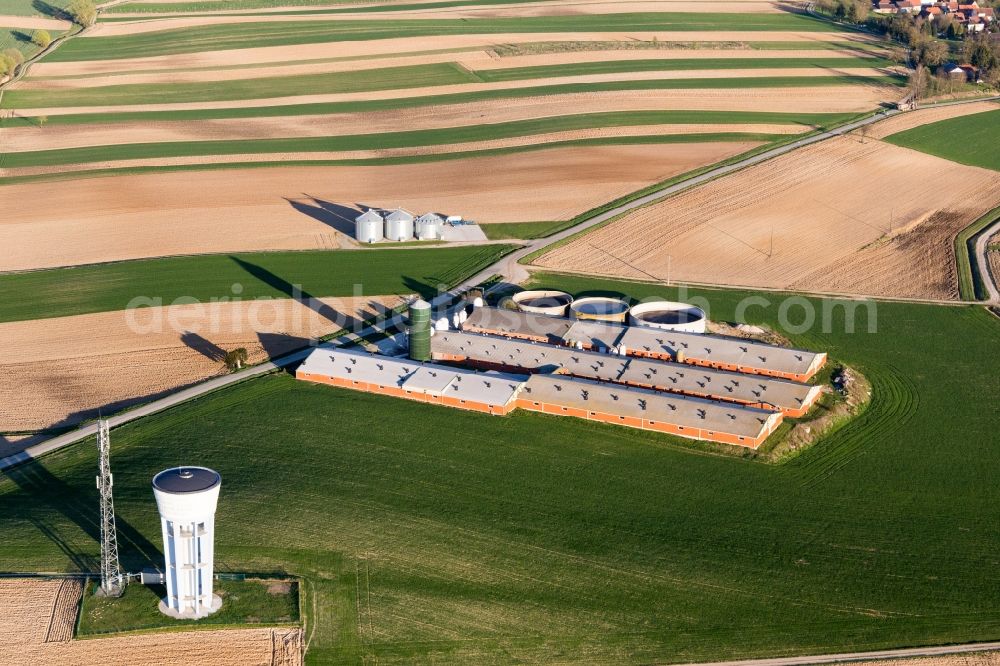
(793, 399)
(368, 227)
(648, 410)
(491, 393)
(399, 225)
(723, 353)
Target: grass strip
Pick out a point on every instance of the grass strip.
(970, 273)
(196, 39)
(62, 292)
(28, 99)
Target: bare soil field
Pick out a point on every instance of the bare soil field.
(29, 608)
(421, 118)
(129, 217)
(836, 98)
(61, 371)
(920, 117)
(840, 216)
(971, 659)
(401, 45)
(475, 60)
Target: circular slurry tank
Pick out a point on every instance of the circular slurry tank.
(599, 308)
(669, 315)
(543, 301)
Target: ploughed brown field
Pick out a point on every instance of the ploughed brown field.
(127, 217)
(36, 627)
(60, 371)
(849, 215)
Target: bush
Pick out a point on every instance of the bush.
(236, 359)
(41, 38)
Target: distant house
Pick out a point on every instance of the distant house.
(909, 6)
(885, 7)
(972, 73)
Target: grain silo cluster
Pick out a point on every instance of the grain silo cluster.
(374, 226)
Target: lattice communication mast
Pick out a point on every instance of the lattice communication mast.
(112, 581)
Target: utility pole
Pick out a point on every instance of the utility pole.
(112, 581)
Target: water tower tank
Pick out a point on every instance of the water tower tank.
(186, 498)
(399, 225)
(368, 227)
(599, 308)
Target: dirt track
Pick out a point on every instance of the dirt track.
(29, 608)
(839, 216)
(61, 371)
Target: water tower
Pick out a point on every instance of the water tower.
(186, 498)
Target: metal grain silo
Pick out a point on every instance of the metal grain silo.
(429, 227)
(420, 330)
(399, 225)
(368, 227)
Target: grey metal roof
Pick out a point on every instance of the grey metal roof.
(181, 480)
(696, 346)
(515, 321)
(399, 214)
(491, 388)
(661, 375)
(371, 215)
(650, 405)
(432, 218)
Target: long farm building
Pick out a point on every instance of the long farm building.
(712, 351)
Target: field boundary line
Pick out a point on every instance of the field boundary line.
(847, 657)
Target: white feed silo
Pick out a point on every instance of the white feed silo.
(399, 225)
(429, 227)
(368, 227)
(186, 498)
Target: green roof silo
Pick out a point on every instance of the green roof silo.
(420, 330)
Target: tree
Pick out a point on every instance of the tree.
(918, 82)
(41, 38)
(83, 12)
(236, 359)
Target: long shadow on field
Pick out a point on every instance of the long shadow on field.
(290, 290)
(206, 348)
(52, 11)
(51, 493)
(340, 218)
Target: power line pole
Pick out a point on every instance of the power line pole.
(112, 581)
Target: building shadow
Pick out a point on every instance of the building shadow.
(336, 216)
(203, 346)
(82, 509)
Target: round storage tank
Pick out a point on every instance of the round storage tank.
(599, 308)
(429, 227)
(368, 227)
(399, 225)
(543, 301)
(669, 315)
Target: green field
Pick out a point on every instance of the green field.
(971, 140)
(105, 287)
(523, 230)
(427, 534)
(243, 602)
(20, 39)
(214, 7)
(245, 35)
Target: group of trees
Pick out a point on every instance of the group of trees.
(82, 12)
(855, 11)
(9, 60)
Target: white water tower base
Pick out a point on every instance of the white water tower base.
(189, 615)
